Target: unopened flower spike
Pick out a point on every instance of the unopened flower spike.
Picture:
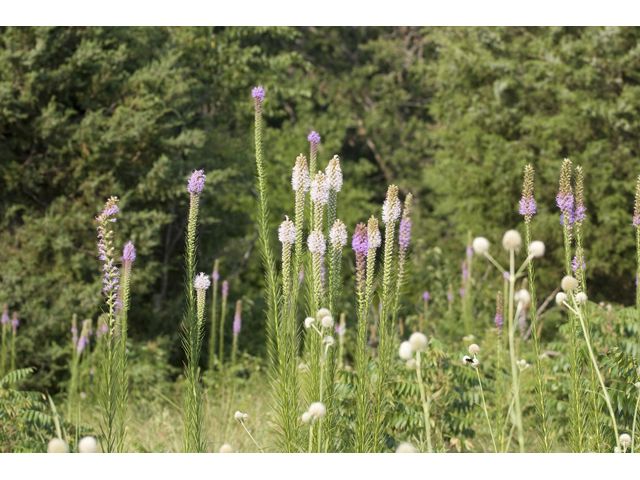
(527, 202)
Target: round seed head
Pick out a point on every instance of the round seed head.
(317, 410)
(57, 445)
(406, 448)
(524, 297)
(238, 415)
(466, 360)
(536, 248)
(323, 312)
(245, 416)
(480, 245)
(625, 440)
(569, 283)
(405, 351)
(226, 448)
(581, 297)
(411, 364)
(475, 363)
(474, 349)
(561, 297)
(309, 321)
(511, 240)
(88, 445)
(418, 341)
(328, 340)
(306, 417)
(327, 322)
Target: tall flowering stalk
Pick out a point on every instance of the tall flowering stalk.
(5, 335)
(223, 311)
(287, 236)
(498, 321)
(194, 439)
(215, 277)
(300, 182)
(528, 210)
(14, 332)
(237, 326)
(314, 139)
(334, 183)
(110, 369)
(360, 245)
(636, 224)
(391, 210)
(566, 204)
(404, 238)
(337, 241)
(465, 290)
(128, 257)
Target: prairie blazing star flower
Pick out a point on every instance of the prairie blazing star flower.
(14, 322)
(564, 199)
(5, 315)
(237, 318)
(316, 242)
(202, 282)
(463, 292)
(258, 92)
(196, 182)
(527, 202)
(106, 250)
(338, 234)
(374, 239)
(287, 232)
(636, 206)
(215, 275)
(469, 251)
(300, 176)
(391, 208)
(320, 189)
(225, 289)
(314, 137)
(426, 296)
(334, 174)
(576, 263)
(405, 233)
(359, 242)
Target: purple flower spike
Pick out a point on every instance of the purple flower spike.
(215, 276)
(196, 182)
(91, 372)
(129, 252)
(463, 292)
(14, 321)
(5, 315)
(405, 233)
(225, 289)
(80, 346)
(575, 263)
(450, 297)
(237, 324)
(314, 137)
(258, 92)
(528, 203)
(426, 296)
(360, 241)
(469, 251)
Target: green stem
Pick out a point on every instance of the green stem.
(425, 406)
(514, 370)
(484, 407)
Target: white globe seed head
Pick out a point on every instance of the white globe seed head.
(637, 385)
(57, 445)
(511, 240)
(327, 322)
(581, 297)
(306, 417)
(411, 364)
(323, 312)
(406, 448)
(226, 448)
(309, 321)
(625, 440)
(238, 415)
(88, 445)
(418, 341)
(569, 283)
(328, 340)
(475, 363)
(317, 410)
(474, 349)
(480, 245)
(405, 351)
(561, 297)
(536, 248)
(245, 416)
(523, 296)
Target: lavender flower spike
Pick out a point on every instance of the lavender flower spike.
(14, 321)
(5, 315)
(314, 137)
(225, 288)
(129, 252)
(636, 206)
(426, 296)
(237, 318)
(196, 182)
(528, 203)
(258, 92)
(405, 233)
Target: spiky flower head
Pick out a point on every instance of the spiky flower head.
(498, 318)
(327, 322)
(128, 254)
(474, 349)
(418, 341)
(225, 288)
(636, 206)
(57, 445)
(317, 410)
(374, 239)
(576, 264)
(511, 240)
(625, 440)
(338, 234)
(527, 202)
(536, 248)
(320, 189)
(581, 297)
(226, 448)
(578, 213)
(569, 283)
(238, 415)
(426, 296)
(287, 232)
(309, 321)
(196, 182)
(406, 448)
(480, 245)
(5, 314)
(359, 242)
(564, 199)
(258, 92)
(561, 297)
(201, 282)
(314, 137)
(334, 174)
(405, 351)
(300, 177)
(391, 207)
(88, 445)
(523, 296)
(106, 250)
(328, 340)
(316, 242)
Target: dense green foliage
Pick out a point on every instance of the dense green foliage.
(449, 114)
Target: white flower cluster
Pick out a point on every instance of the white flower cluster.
(316, 410)
(480, 245)
(300, 177)
(202, 281)
(391, 211)
(375, 239)
(320, 189)
(316, 242)
(287, 232)
(334, 174)
(511, 240)
(338, 234)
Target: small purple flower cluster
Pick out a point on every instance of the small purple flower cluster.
(498, 318)
(196, 182)
(465, 271)
(450, 297)
(5, 315)
(426, 296)
(463, 292)
(105, 249)
(469, 251)
(225, 289)
(405, 233)
(215, 276)
(14, 322)
(237, 318)
(314, 137)
(575, 263)
(527, 202)
(360, 240)
(258, 92)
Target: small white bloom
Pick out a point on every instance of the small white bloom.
(375, 239)
(57, 445)
(317, 410)
(466, 360)
(323, 312)
(474, 349)
(581, 297)
(405, 351)
(561, 297)
(226, 448)
(328, 340)
(469, 338)
(316, 242)
(320, 189)
(536, 248)
(245, 416)
(309, 321)
(238, 415)
(88, 445)
(306, 417)
(511, 240)
(523, 296)
(625, 440)
(327, 322)
(411, 364)
(338, 234)
(334, 174)
(406, 448)
(617, 450)
(300, 177)
(569, 283)
(391, 212)
(480, 245)
(475, 362)
(418, 341)
(287, 232)
(202, 281)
